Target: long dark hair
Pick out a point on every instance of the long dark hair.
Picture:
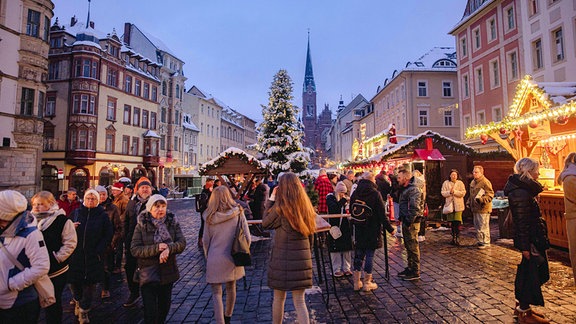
(458, 177)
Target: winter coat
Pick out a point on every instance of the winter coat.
(411, 204)
(290, 265)
(94, 235)
(146, 250)
(348, 184)
(218, 236)
(344, 242)
(457, 198)
(369, 235)
(61, 240)
(131, 219)
(568, 178)
(323, 186)
(529, 226)
(117, 225)
(68, 206)
(258, 197)
(384, 185)
(26, 244)
(482, 205)
(121, 201)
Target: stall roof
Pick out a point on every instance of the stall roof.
(428, 155)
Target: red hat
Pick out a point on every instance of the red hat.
(118, 186)
(143, 181)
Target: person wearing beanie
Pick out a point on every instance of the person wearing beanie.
(114, 215)
(156, 240)
(120, 200)
(134, 207)
(340, 248)
(60, 238)
(94, 232)
(18, 298)
(69, 201)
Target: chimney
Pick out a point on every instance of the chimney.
(127, 33)
(92, 24)
(429, 145)
(73, 21)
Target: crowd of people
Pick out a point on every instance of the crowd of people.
(84, 242)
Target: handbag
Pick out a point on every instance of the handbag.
(43, 285)
(335, 231)
(241, 247)
(146, 275)
(448, 207)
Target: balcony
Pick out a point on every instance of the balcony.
(81, 157)
(151, 161)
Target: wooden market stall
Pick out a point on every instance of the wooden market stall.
(540, 124)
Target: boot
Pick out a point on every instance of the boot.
(368, 283)
(528, 317)
(535, 312)
(453, 242)
(356, 279)
(83, 316)
(76, 308)
(227, 319)
(456, 240)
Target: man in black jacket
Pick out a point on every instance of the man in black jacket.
(411, 210)
(204, 197)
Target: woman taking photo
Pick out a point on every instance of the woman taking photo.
(156, 241)
(223, 215)
(60, 238)
(290, 268)
(453, 190)
(530, 237)
(340, 248)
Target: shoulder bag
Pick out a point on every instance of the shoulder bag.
(241, 247)
(43, 285)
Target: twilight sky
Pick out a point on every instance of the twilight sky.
(233, 48)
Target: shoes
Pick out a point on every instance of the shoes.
(368, 284)
(227, 319)
(83, 316)
(356, 280)
(347, 273)
(105, 294)
(535, 312)
(76, 308)
(338, 274)
(529, 317)
(404, 273)
(413, 275)
(421, 238)
(132, 300)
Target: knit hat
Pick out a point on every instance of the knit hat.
(101, 189)
(117, 186)
(91, 192)
(142, 182)
(12, 203)
(341, 187)
(152, 200)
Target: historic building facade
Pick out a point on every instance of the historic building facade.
(24, 44)
(206, 113)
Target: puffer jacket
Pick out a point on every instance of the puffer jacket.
(344, 242)
(146, 250)
(290, 265)
(25, 242)
(369, 235)
(529, 226)
(411, 204)
(94, 234)
(568, 178)
(218, 238)
(482, 205)
(456, 198)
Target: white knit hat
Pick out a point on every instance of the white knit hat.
(91, 192)
(12, 203)
(341, 187)
(152, 200)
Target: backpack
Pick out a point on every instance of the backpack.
(201, 202)
(360, 213)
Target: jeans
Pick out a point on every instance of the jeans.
(412, 247)
(482, 226)
(54, 311)
(341, 261)
(365, 255)
(130, 267)
(108, 268)
(23, 314)
(83, 293)
(156, 299)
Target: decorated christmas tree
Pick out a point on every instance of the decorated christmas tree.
(280, 134)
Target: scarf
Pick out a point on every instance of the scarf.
(161, 235)
(45, 219)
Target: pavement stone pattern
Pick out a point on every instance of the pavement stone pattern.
(458, 285)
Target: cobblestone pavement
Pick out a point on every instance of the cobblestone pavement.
(458, 285)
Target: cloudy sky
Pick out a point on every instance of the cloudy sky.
(233, 48)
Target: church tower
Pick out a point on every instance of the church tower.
(309, 103)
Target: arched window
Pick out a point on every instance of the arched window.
(177, 91)
(164, 88)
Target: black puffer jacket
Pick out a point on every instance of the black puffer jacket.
(344, 242)
(529, 225)
(369, 236)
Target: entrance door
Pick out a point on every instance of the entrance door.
(79, 180)
(50, 179)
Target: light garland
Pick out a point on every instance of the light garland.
(559, 138)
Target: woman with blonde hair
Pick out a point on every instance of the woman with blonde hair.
(60, 238)
(290, 268)
(222, 216)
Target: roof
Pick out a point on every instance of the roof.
(359, 99)
(151, 133)
(428, 155)
(222, 161)
(558, 92)
(472, 8)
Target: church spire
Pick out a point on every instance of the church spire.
(88, 20)
(309, 76)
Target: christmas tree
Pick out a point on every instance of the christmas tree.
(280, 134)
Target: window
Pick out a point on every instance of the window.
(492, 29)
(146, 90)
(510, 19)
(446, 88)
(111, 109)
(163, 142)
(448, 118)
(481, 118)
(152, 120)
(467, 122)
(494, 74)
(50, 106)
(56, 42)
(177, 91)
(154, 93)
(137, 88)
(479, 81)
(128, 84)
(136, 120)
(463, 47)
(177, 117)
(54, 70)
(109, 148)
(163, 88)
(176, 146)
(84, 104)
(513, 66)
(466, 86)
(41, 103)
(33, 23)
(477, 41)
(558, 48)
(170, 87)
(537, 55)
(163, 115)
(112, 79)
(46, 29)
(82, 139)
(422, 89)
(86, 68)
(201, 150)
(497, 114)
(127, 114)
(533, 7)
(135, 144)
(144, 118)
(125, 144)
(423, 117)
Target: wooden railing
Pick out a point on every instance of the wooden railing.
(552, 208)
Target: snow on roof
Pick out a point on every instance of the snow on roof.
(80, 28)
(159, 44)
(86, 42)
(132, 68)
(151, 133)
(558, 92)
(231, 152)
(190, 126)
(433, 59)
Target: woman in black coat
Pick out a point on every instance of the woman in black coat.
(530, 237)
(340, 248)
(94, 232)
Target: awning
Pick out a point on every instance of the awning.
(428, 155)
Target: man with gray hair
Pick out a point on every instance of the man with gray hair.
(480, 203)
(411, 209)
